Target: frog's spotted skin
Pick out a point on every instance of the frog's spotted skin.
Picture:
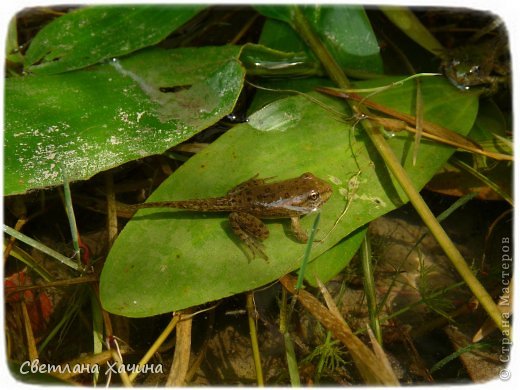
(256, 199)
(477, 65)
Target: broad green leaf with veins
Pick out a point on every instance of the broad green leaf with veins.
(80, 123)
(167, 260)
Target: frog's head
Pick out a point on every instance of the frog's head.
(315, 192)
(464, 74)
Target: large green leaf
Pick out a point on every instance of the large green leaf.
(83, 122)
(168, 260)
(92, 34)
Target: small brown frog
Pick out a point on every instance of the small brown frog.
(256, 199)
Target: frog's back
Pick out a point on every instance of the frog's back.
(284, 199)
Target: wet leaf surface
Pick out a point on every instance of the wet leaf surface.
(80, 123)
(92, 34)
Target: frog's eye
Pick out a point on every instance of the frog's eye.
(314, 195)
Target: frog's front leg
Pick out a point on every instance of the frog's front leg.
(298, 231)
(251, 230)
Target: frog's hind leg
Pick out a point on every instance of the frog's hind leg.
(251, 230)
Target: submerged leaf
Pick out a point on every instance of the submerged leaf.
(345, 31)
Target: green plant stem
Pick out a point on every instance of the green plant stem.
(307, 254)
(291, 360)
(250, 305)
(27, 259)
(71, 217)
(470, 347)
(290, 355)
(336, 74)
(370, 288)
(42, 248)
(454, 207)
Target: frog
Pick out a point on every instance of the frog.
(477, 66)
(256, 199)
